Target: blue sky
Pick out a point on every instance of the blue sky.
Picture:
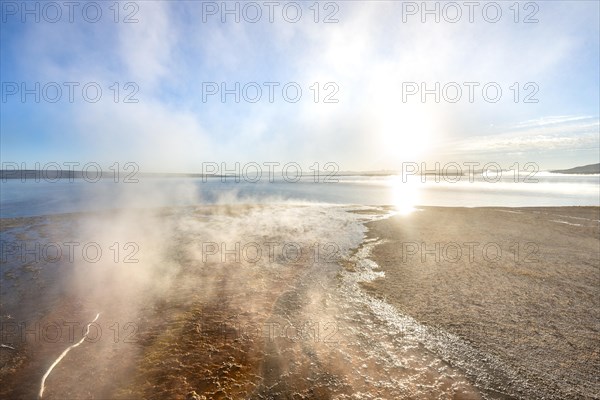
(170, 54)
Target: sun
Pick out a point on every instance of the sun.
(406, 134)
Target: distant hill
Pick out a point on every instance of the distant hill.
(586, 169)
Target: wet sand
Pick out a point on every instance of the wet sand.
(535, 312)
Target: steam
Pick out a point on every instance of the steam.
(155, 257)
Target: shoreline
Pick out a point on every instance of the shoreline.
(216, 206)
(534, 309)
(433, 324)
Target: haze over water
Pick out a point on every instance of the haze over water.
(32, 198)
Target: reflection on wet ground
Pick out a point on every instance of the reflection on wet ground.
(279, 326)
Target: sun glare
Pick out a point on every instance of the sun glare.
(404, 195)
(406, 136)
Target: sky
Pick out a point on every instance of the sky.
(318, 82)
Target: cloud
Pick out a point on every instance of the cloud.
(147, 49)
(552, 133)
(368, 54)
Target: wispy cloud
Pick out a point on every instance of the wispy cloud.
(544, 134)
(170, 52)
